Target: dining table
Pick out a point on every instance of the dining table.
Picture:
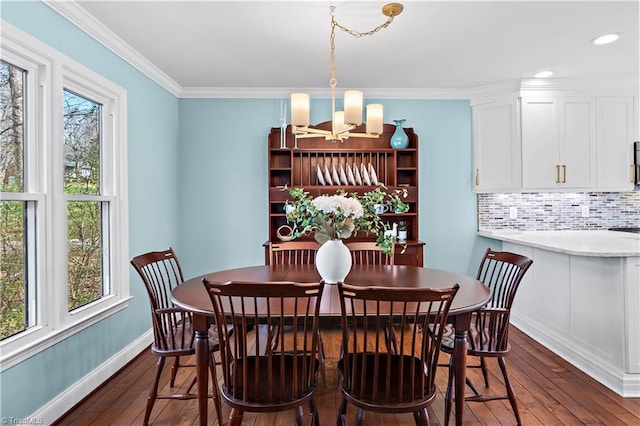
(192, 296)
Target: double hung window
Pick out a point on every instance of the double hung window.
(63, 210)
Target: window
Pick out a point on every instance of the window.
(87, 212)
(63, 211)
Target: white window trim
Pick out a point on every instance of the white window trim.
(54, 72)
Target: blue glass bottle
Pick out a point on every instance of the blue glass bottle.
(399, 139)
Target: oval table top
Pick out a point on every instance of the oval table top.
(191, 294)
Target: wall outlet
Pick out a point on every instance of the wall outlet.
(513, 212)
(584, 211)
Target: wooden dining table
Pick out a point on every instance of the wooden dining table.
(473, 294)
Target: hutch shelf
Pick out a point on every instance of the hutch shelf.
(306, 162)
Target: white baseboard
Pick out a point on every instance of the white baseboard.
(624, 384)
(58, 406)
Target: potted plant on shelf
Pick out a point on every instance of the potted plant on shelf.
(332, 218)
(402, 231)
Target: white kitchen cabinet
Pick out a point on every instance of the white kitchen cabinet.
(558, 142)
(632, 314)
(615, 143)
(636, 118)
(496, 146)
(585, 309)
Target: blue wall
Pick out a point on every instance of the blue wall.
(153, 212)
(198, 182)
(223, 175)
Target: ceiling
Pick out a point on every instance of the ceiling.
(432, 45)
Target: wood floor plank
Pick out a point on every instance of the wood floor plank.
(549, 391)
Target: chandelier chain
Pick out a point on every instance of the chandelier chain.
(332, 39)
(358, 34)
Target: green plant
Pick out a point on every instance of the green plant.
(343, 214)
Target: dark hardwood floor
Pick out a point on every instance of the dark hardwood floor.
(549, 392)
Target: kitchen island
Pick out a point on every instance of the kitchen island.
(581, 299)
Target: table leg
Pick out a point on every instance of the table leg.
(200, 326)
(461, 324)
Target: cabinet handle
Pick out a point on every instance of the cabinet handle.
(477, 177)
(557, 173)
(564, 173)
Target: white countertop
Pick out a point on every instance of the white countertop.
(580, 243)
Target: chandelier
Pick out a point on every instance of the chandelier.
(343, 122)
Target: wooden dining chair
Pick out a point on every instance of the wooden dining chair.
(293, 253)
(173, 336)
(368, 253)
(297, 253)
(259, 376)
(375, 378)
(488, 335)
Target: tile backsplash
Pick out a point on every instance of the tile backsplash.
(558, 210)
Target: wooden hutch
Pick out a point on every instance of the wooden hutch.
(294, 164)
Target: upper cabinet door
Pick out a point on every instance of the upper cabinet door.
(615, 142)
(636, 118)
(577, 137)
(540, 145)
(558, 143)
(496, 147)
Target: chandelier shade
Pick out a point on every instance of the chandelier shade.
(343, 122)
(300, 109)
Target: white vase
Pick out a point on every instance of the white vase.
(333, 261)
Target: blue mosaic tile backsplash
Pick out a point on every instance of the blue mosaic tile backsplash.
(542, 211)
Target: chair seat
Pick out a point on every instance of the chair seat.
(269, 386)
(182, 340)
(477, 344)
(412, 390)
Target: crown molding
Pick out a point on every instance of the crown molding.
(94, 28)
(495, 91)
(552, 87)
(569, 87)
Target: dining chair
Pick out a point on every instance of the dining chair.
(293, 252)
(368, 253)
(257, 375)
(297, 253)
(173, 336)
(488, 336)
(375, 378)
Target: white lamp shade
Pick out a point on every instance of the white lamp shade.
(300, 109)
(374, 119)
(353, 107)
(339, 125)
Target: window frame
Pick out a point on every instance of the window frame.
(49, 72)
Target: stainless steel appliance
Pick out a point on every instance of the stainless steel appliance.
(626, 229)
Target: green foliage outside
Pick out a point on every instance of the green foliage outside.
(84, 254)
(84, 221)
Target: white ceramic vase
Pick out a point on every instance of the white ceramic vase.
(333, 261)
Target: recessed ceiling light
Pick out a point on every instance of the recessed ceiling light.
(606, 39)
(544, 74)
